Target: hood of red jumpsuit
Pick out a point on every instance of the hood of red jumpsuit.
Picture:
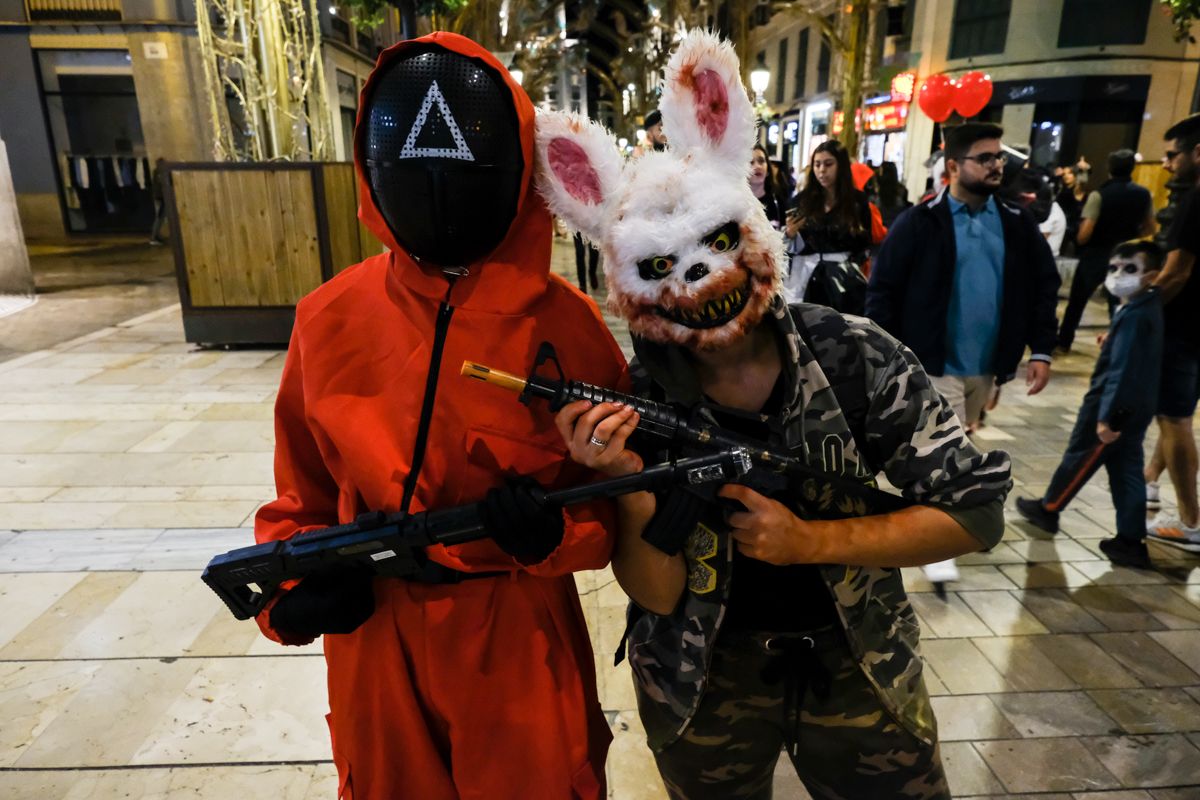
(862, 174)
(514, 275)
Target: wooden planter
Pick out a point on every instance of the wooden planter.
(251, 239)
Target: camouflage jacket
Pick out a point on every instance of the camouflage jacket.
(911, 435)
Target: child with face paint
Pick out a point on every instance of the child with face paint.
(1116, 410)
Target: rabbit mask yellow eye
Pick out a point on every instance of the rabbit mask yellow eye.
(656, 268)
(724, 238)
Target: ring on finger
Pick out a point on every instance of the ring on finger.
(601, 443)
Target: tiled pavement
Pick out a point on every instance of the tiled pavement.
(128, 458)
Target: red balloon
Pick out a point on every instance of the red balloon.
(936, 97)
(974, 92)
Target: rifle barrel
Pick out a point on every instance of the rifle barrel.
(505, 380)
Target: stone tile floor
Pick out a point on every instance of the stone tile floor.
(128, 458)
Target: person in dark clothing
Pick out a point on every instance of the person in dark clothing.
(967, 281)
(1070, 199)
(1118, 211)
(829, 220)
(784, 183)
(763, 185)
(586, 252)
(1116, 410)
(893, 196)
(914, 273)
(1180, 386)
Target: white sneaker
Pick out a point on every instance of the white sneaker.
(1172, 531)
(1153, 499)
(941, 571)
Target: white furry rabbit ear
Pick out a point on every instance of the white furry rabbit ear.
(578, 168)
(704, 104)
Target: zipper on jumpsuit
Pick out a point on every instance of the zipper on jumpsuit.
(440, 331)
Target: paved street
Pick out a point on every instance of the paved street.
(128, 458)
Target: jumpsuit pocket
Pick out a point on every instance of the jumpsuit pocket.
(491, 453)
(345, 789)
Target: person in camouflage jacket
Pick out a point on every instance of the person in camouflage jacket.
(706, 696)
(771, 613)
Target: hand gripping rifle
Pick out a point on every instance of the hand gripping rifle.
(821, 494)
(393, 544)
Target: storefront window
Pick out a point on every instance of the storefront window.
(105, 180)
(781, 73)
(347, 89)
(802, 65)
(980, 27)
(1090, 23)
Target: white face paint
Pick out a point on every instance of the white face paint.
(1126, 276)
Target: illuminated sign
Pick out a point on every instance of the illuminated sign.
(839, 119)
(880, 117)
(903, 86)
(773, 133)
(791, 132)
(886, 116)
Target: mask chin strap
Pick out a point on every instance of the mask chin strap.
(442, 327)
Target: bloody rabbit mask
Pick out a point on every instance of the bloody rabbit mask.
(689, 254)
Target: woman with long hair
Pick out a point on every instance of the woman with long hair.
(828, 224)
(762, 184)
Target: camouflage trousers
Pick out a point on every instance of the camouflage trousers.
(844, 744)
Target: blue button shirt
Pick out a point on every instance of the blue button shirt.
(973, 320)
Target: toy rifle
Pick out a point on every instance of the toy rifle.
(393, 544)
(822, 494)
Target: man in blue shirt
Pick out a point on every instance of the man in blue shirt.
(967, 281)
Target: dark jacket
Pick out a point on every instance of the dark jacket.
(1125, 380)
(909, 291)
(1124, 206)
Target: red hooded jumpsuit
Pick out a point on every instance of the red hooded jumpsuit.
(485, 688)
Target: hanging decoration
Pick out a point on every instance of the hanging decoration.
(265, 79)
(936, 97)
(973, 93)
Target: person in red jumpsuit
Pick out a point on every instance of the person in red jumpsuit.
(475, 679)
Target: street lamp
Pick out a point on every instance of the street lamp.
(760, 79)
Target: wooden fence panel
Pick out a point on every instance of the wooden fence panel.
(249, 236)
(341, 206)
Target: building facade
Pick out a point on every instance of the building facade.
(93, 92)
(1071, 78)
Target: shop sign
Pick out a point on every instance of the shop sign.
(886, 116)
(791, 131)
(880, 117)
(903, 86)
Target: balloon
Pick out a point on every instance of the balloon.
(936, 97)
(974, 92)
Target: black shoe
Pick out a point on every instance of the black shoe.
(1036, 514)
(1126, 552)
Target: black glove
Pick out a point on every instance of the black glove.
(334, 601)
(523, 524)
(674, 519)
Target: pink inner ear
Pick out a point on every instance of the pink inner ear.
(712, 104)
(569, 163)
